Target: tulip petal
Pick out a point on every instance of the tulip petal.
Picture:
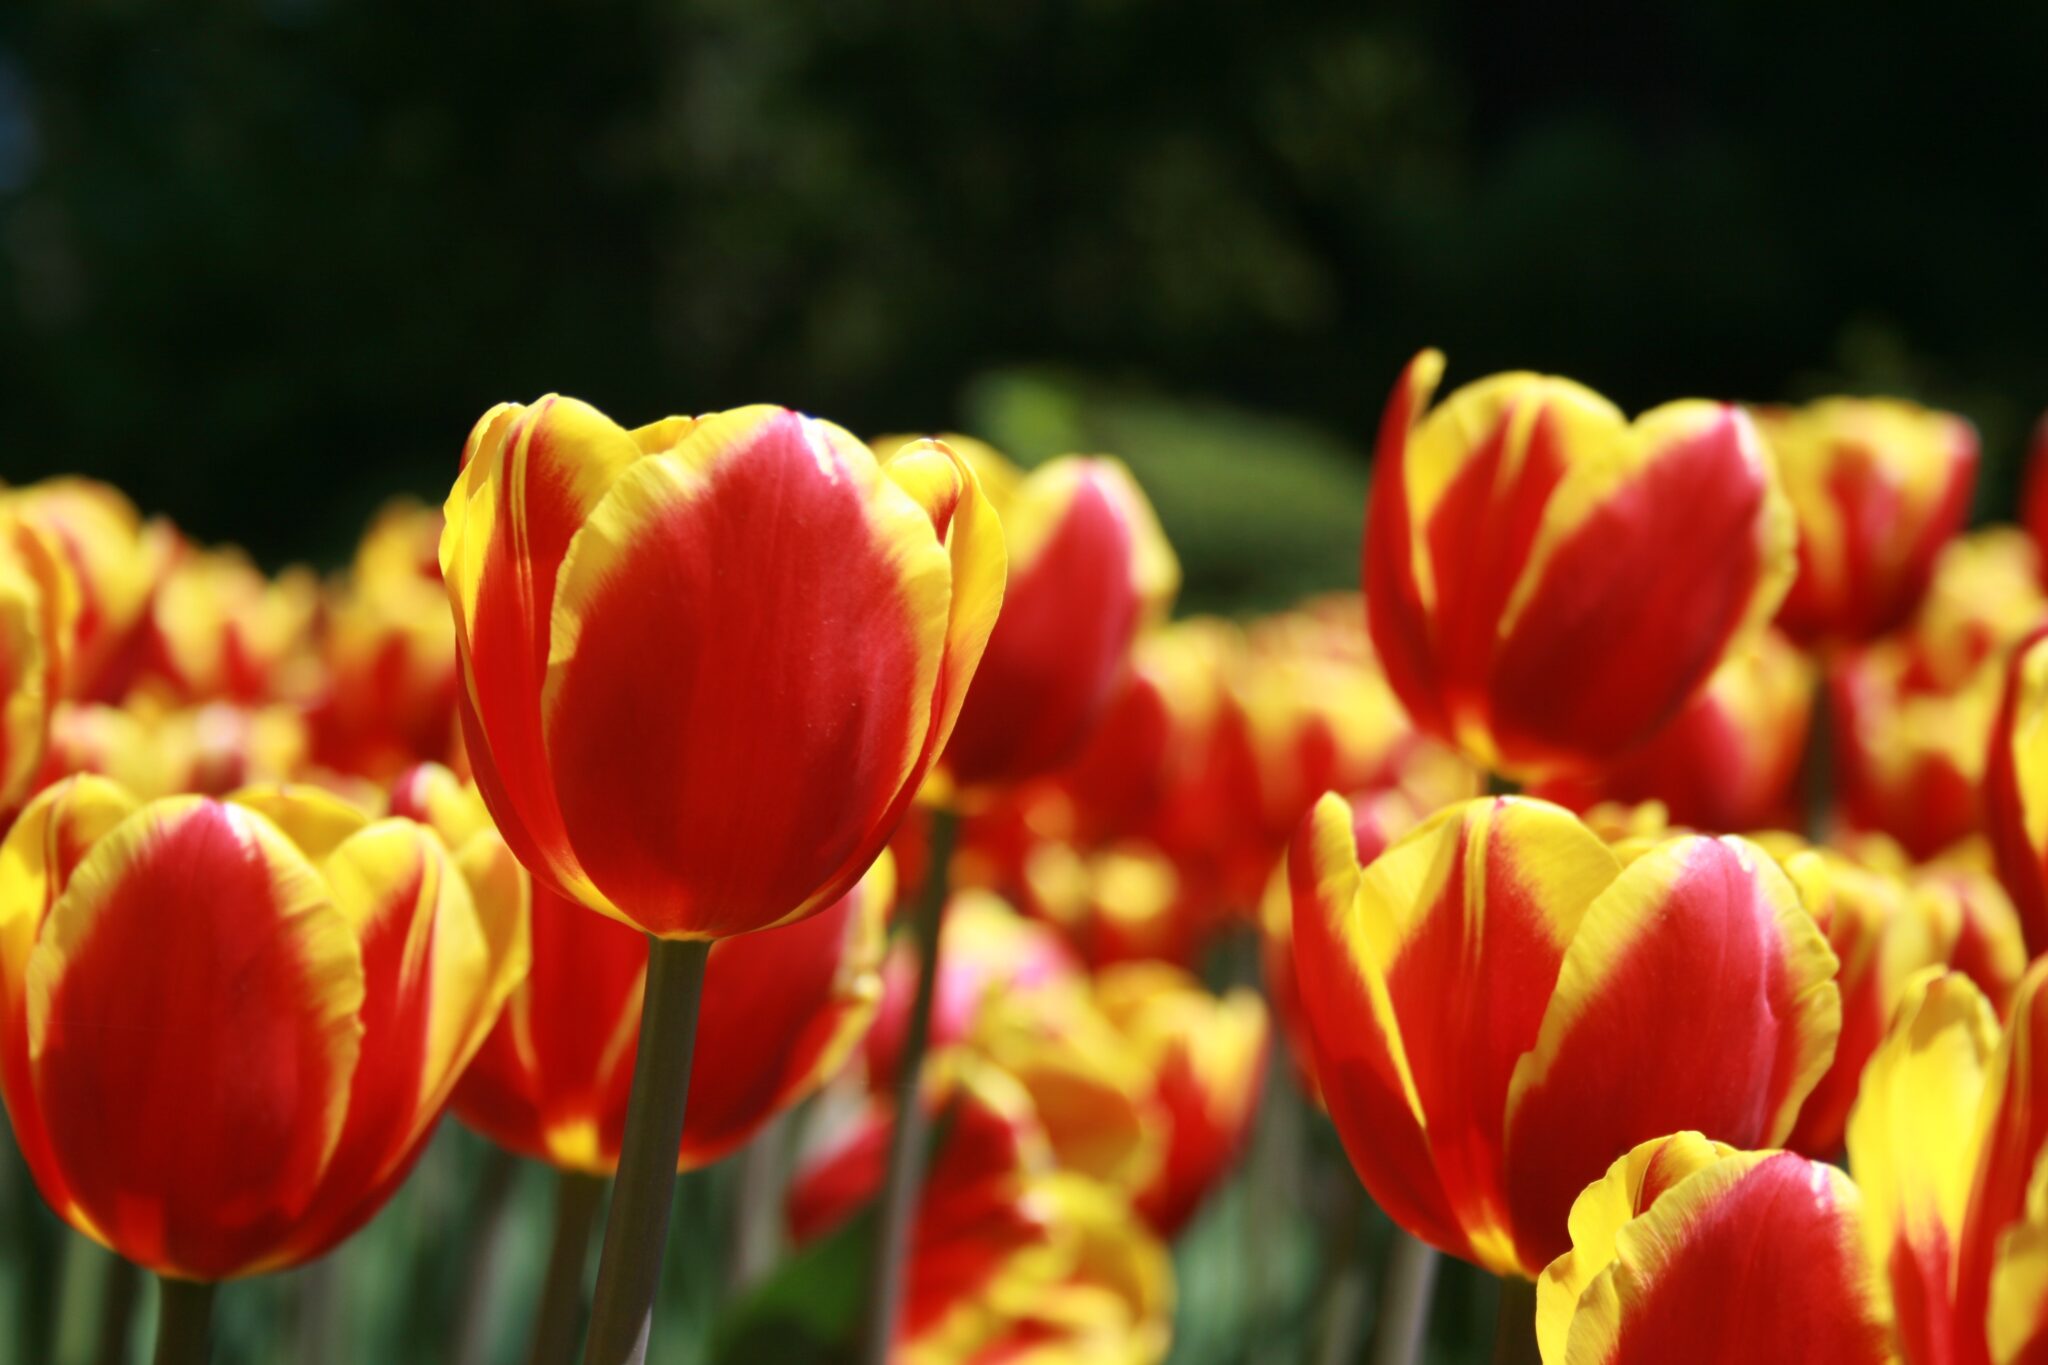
(1697, 994)
(2011, 1130)
(1912, 1144)
(2017, 1331)
(762, 582)
(202, 944)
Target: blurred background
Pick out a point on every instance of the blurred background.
(263, 263)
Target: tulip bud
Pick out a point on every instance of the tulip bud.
(1878, 487)
(1547, 582)
(1475, 1129)
(708, 663)
(1688, 1250)
(227, 1028)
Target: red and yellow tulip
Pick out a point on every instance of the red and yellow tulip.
(1088, 568)
(218, 629)
(707, 663)
(227, 1027)
(1547, 582)
(1947, 1143)
(1205, 1059)
(1879, 486)
(1691, 1251)
(2016, 786)
(1688, 988)
(153, 748)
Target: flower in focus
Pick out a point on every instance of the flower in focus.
(1205, 1057)
(1689, 1250)
(707, 663)
(781, 1011)
(1946, 1141)
(1548, 582)
(1729, 760)
(227, 1027)
(389, 653)
(2016, 786)
(1088, 567)
(1878, 487)
(1688, 989)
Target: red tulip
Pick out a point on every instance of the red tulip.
(707, 663)
(1547, 582)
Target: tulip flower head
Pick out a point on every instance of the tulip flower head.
(2016, 786)
(1688, 1250)
(227, 1027)
(707, 663)
(1878, 487)
(1498, 1007)
(1547, 582)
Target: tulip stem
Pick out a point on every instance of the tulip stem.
(578, 1196)
(490, 1229)
(1514, 1329)
(907, 1138)
(184, 1321)
(636, 1231)
(1405, 1301)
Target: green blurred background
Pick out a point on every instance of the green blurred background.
(263, 263)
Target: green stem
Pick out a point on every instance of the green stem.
(118, 1313)
(907, 1139)
(80, 1286)
(490, 1229)
(636, 1231)
(577, 1199)
(1514, 1329)
(1405, 1301)
(1343, 1290)
(757, 1219)
(184, 1321)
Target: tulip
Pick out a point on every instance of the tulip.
(389, 653)
(153, 749)
(1088, 568)
(1686, 989)
(1884, 929)
(1689, 1250)
(1878, 487)
(2034, 491)
(706, 666)
(1729, 760)
(1908, 762)
(981, 1227)
(1946, 1141)
(227, 1027)
(1547, 583)
(2016, 786)
(551, 1081)
(113, 561)
(219, 630)
(30, 671)
(1205, 1058)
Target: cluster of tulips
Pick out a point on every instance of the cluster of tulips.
(1646, 871)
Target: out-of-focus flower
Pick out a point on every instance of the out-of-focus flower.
(389, 652)
(1475, 1129)
(781, 1008)
(2016, 786)
(1689, 1250)
(154, 749)
(1885, 929)
(1946, 1141)
(983, 1234)
(1205, 1056)
(1548, 582)
(1109, 1302)
(707, 663)
(1730, 759)
(1088, 568)
(226, 1028)
(30, 665)
(112, 560)
(2034, 494)
(218, 629)
(1913, 713)
(985, 947)
(1878, 486)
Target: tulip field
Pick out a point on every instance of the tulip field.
(727, 889)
